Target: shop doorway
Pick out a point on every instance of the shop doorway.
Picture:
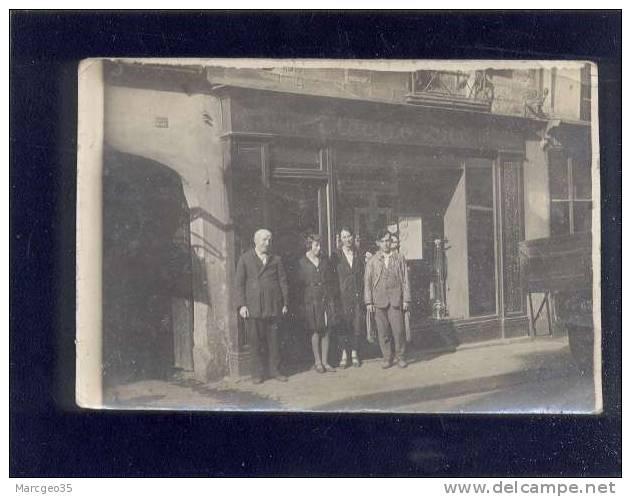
(296, 207)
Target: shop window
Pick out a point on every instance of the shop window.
(480, 241)
(295, 209)
(570, 194)
(295, 156)
(368, 221)
(480, 187)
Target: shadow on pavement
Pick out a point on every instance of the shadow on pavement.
(218, 398)
(227, 398)
(543, 376)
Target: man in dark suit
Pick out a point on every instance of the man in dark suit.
(349, 268)
(262, 296)
(387, 296)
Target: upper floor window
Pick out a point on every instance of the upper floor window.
(570, 194)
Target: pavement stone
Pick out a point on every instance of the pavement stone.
(522, 376)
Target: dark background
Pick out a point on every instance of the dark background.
(51, 437)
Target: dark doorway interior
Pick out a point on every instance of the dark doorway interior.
(296, 208)
(147, 271)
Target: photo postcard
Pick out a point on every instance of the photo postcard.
(338, 236)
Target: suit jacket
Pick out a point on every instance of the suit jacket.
(318, 290)
(350, 291)
(374, 269)
(262, 288)
(350, 279)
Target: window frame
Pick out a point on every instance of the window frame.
(470, 205)
(570, 199)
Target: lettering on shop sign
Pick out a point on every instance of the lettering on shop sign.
(428, 132)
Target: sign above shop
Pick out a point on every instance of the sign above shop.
(319, 119)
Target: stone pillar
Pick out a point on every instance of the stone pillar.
(210, 292)
(89, 339)
(239, 357)
(511, 229)
(201, 303)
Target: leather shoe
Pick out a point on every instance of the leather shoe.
(319, 368)
(281, 378)
(329, 368)
(386, 364)
(402, 364)
(356, 362)
(343, 364)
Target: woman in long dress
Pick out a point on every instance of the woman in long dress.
(316, 277)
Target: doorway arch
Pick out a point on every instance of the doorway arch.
(147, 271)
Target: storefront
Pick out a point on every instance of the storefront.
(459, 188)
(448, 183)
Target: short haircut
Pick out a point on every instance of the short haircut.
(348, 229)
(382, 233)
(261, 232)
(310, 238)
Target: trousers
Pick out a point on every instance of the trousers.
(390, 325)
(349, 341)
(262, 336)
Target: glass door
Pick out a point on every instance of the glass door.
(296, 207)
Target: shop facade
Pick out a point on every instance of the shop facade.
(459, 188)
(453, 179)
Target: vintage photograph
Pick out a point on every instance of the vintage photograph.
(338, 236)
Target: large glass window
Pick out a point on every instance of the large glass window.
(297, 207)
(480, 240)
(570, 194)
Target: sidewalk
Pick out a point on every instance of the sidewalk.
(524, 376)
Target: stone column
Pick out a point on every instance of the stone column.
(239, 357)
(201, 303)
(511, 229)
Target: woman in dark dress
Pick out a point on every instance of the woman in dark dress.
(315, 275)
